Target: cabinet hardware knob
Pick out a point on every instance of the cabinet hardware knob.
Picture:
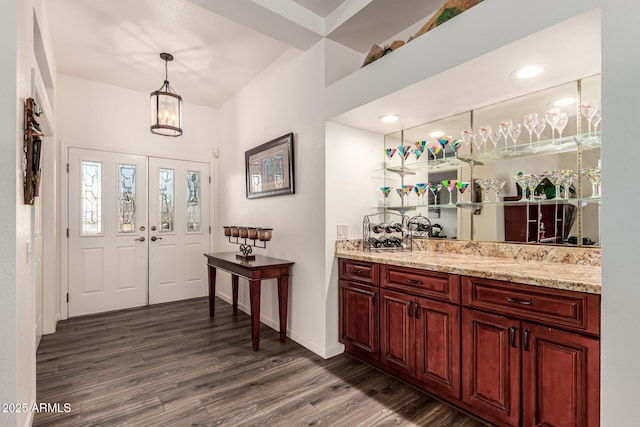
(512, 334)
(526, 339)
(414, 282)
(519, 301)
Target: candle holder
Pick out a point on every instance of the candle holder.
(239, 233)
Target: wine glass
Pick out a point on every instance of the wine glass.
(435, 190)
(484, 132)
(539, 128)
(594, 176)
(551, 116)
(515, 133)
(477, 141)
(596, 121)
(532, 184)
(462, 186)
(497, 184)
(561, 123)
(485, 185)
(451, 185)
(390, 152)
(557, 177)
(522, 180)
(505, 127)
(495, 137)
(589, 109)
(467, 137)
(444, 140)
(530, 121)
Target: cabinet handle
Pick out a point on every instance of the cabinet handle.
(526, 339)
(356, 271)
(517, 301)
(414, 282)
(512, 334)
(409, 310)
(374, 300)
(417, 315)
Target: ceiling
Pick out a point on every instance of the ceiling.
(320, 7)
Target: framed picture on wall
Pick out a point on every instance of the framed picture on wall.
(269, 168)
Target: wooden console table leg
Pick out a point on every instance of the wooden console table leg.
(212, 290)
(283, 305)
(234, 290)
(254, 297)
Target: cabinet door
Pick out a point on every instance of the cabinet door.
(560, 378)
(437, 339)
(491, 365)
(358, 319)
(397, 351)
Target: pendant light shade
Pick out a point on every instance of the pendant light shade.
(166, 106)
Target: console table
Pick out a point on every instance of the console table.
(254, 271)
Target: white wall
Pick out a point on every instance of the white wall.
(287, 97)
(99, 116)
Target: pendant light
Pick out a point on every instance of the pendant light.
(166, 106)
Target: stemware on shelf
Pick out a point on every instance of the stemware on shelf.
(444, 140)
(400, 193)
(594, 176)
(420, 188)
(420, 145)
(589, 109)
(495, 137)
(390, 152)
(435, 190)
(485, 185)
(596, 121)
(404, 151)
(497, 184)
(533, 182)
(467, 137)
(385, 191)
(450, 184)
(462, 187)
(434, 150)
(551, 116)
(406, 190)
(530, 121)
(505, 128)
(484, 132)
(523, 182)
(417, 153)
(539, 128)
(561, 123)
(556, 178)
(567, 182)
(455, 145)
(515, 133)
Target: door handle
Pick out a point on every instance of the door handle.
(140, 239)
(512, 333)
(154, 238)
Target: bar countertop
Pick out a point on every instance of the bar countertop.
(572, 277)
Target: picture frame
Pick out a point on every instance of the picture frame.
(270, 168)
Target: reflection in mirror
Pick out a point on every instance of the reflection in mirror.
(549, 141)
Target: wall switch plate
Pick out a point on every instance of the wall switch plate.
(343, 232)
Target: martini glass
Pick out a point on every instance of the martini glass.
(417, 153)
(505, 127)
(462, 187)
(568, 181)
(451, 185)
(522, 180)
(557, 177)
(589, 109)
(484, 132)
(561, 123)
(385, 191)
(533, 182)
(515, 133)
(420, 145)
(551, 116)
(420, 189)
(497, 184)
(530, 121)
(390, 152)
(594, 176)
(467, 137)
(399, 190)
(539, 128)
(404, 151)
(406, 191)
(444, 140)
(455, 145)
(435, 190)
(485, 185)
(434, 150)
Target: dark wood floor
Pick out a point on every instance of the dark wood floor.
(170, 365)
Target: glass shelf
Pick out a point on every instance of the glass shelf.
(572, 201)
(555, 146)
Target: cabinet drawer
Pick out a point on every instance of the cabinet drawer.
(555, 307)
(359, 271)
(431, 284)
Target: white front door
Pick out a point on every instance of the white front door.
(108, 251)
(138, 227)
(179, 229)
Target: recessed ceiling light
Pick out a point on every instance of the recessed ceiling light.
(528, 71)
(564, 101)
(436, 134)
(389, 118)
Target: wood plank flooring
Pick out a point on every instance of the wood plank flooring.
(171, 365)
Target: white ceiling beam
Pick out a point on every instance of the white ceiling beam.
(295, 13)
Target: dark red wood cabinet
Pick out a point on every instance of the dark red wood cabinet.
(534, 222)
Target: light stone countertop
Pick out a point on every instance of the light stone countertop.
(572, 277)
